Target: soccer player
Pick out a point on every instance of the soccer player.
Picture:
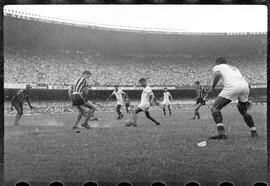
(119, 94)
(127, 103)
(235, 88)
(147, 99)
(167, 98)
(80, 114)
(17, 102)
(200, 99)
(79, 100)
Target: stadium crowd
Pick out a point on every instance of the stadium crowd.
(27, 66)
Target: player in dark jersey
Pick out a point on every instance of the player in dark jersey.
(200, 99)
(127, 103)
(17, 102)
(80, 114)
(78, 98)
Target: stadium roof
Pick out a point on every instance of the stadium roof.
(235, 19)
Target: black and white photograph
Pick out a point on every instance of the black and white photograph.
(135, 93)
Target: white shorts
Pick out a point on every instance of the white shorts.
(233, 93)
(166, 103)
(144, 106)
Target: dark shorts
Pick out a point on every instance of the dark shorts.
(77, 99)
(18, 105)
(200, 101)
(118, 107)
(127, 104)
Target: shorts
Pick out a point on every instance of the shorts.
(144, 106)
(18, 105)
(200, 100)
(127, 104)
(238, 92)
(77, 99)
(166, 103)
(118, 107)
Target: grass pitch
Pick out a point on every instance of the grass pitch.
(45, 149)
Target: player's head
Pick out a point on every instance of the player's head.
(116, 87)
(28, 87)
(86, 74)
(221, 60)
(142, 81)
(165, 89)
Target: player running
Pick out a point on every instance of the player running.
(119, 94)
(17, 102)
(235, 88)
(167, 98)
(147, 99)
(127, 103)
(200, 99)
(79, 100)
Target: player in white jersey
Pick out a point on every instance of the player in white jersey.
(119, 94)
(147, 100)
(167, 98)
(235, 88)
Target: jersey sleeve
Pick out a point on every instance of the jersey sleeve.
(216, 68)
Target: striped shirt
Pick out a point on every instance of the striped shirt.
(201, 92)
(20, 96)
(80, 84)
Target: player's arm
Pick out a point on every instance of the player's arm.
(153, 99)
(110, 96)
(216, 79)
(170, 97)
(27, 100)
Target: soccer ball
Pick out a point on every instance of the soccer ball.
(128, 123)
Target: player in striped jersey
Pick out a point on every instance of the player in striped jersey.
(200, 99)
(78, 98)
(17, 102)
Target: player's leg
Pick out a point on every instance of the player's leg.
(118, 110)
(147, 113)
(196, 112)
(169, 108)
(19, 109)
(243, 106)
(81, 113)
(90, 112)
(164, 109)
(127, 108)
(218, 104)
(135, 112)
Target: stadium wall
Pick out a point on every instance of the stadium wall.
(256, 94)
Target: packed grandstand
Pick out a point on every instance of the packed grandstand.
(49, 52)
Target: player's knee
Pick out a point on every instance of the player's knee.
(241, 108)
(148, 115)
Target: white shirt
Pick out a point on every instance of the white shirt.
(119, 96)
(166, 97)
(231, 76)
(146, 93)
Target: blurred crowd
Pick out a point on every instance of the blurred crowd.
(27, 66)
(57, 107)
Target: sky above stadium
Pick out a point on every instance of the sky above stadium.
(181, 18)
